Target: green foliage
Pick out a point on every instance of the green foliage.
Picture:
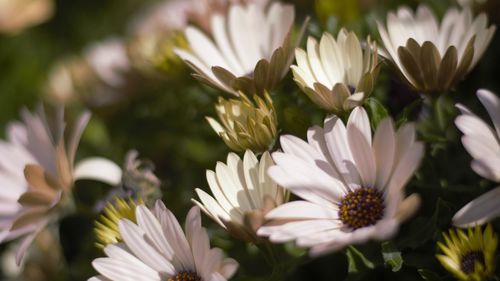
(356, 258)
(392, 256)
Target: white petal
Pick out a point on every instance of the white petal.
(134, 237)
(481, 148)
(303, 176)
(227, 204)
(266, 184)
(221, 37)
(294, 145)
(120, 270)
(213, 207)
(405, 139)
(384, 149)
(303, 68)
(354, 59)
(293, 230)
(315, 62)
(204, 48)
(492, 103)
(251, 180)
(474, 126)
(115, 252)
(487, 167)
(243, 37)
(176, 238)
(148, 222)
(340, 152)
(303, 210)
(198, 238)
(228, 268)
(229, 181)
(331, 59)
(76, 135)
(480, 210)
(99, 169)
(363, 156)
(359, 118)
(406, 167)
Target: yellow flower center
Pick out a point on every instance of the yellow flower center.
(185, 276)
(362, 208)
(468, 262)
(106, 226)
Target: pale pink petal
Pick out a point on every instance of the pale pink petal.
(303, 176)
(115, 269)
(177, 241)
(363, 156)
(480, 210)
(384, 149)
(149, 223)
(340, 152)
(134, 238)
(303, 210)
(492, 103)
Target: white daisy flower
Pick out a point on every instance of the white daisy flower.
(36, 173)
(433, 57)
(156, 249)
(352, 185)
(337, 75)
(201, 11)
(483, 143)
(242, 194)
(250, 49)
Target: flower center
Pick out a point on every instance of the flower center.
(185, 276)
(361, 208)
(468, 263)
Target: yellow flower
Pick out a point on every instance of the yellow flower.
(469, 255)
(246, 124)
(106, 226)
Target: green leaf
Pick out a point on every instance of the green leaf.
(355, 257)
(376, 110)
(428, 275)
(392, 256)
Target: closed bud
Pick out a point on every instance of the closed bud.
(245, 124)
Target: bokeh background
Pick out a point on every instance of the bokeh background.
(163, 117)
